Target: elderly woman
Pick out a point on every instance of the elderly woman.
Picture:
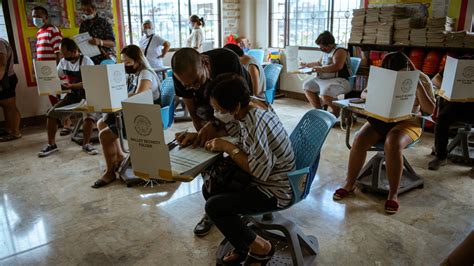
(396, 136)
(263, 153)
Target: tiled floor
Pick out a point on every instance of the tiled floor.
(50, 215)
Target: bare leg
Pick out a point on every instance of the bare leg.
(366, 138)
(395, 142)
(335, 110)
(12, 116)
(313, 99)
(87, 130)
(52, 127)
(107, 139)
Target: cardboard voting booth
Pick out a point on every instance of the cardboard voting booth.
(291, 57)
(458, 80)
(105, 86)
(47, 79)
(150, 155)
(391, 94)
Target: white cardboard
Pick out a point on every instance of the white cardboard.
(291, 56)
(391, 94)
(146, 141)
(105, 86)
(47, 78)
(87, 49)
(458, 79)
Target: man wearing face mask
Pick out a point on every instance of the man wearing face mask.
(153, 46)
(100, 30)
(70, 75)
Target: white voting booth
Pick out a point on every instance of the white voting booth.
(391, 94)
(150, 155)
(458, 80)
(291, 57)
(105, 86)
(47, 79)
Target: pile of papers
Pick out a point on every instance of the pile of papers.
(372, 15)
(435, 35)
(371, 24)
(449, 25)
(389, 14)
(469, 40)
(455, 39)
(384, 33)
(418, 37)
(358, 21)
(401, 35)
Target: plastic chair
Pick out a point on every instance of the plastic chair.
(272, 72)
(307, 140)
(169, 73)
(107, 62)
(167, 102)
(258, 54)
(355, 63)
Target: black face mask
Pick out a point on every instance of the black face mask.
(129, 69)
(70, 58)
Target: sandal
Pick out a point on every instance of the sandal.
(9, 137)
(391, 207)
(240, 256)
(257, 258)
(101, 183)
(65, 131)
(342, 193)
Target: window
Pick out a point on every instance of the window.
(299, 22)
(170, 18)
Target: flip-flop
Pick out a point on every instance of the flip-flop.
(101, 183)
(65, 131)
(9, 137)
(391, 207)
(341, 193)
(257, 258)
(241, 256)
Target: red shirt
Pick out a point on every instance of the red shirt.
(48, 41)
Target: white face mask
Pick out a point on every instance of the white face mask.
(87, 17)
(191, 26)
(148, 32)
(225, 118)
(38, 22)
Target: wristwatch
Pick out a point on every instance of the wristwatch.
(234, 152)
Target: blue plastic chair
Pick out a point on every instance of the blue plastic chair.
(167, 102)
(307, 140)
(272, 72)
(107, 62)
(258, 54)
(169, 73)
(355, 64)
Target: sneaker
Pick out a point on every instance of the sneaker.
(437, 163)
(89, 149)
(47, 150)
(204, 226)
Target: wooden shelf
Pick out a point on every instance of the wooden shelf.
(387, 47)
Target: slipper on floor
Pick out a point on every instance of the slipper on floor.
(241, 256)
(65, 131)
(341, 193)
(9, 137)
(391, 207)
(253, 258)
(101, 183)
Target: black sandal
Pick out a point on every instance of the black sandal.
(257, 258)
(9, 137)
(241, 255)
(101, 183)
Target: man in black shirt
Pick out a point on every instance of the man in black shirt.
(192, 73)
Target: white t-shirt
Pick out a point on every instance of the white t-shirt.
(147, 74)
(154, 49)
(195, 39)
(65, 65)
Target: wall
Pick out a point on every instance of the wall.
(230, 18)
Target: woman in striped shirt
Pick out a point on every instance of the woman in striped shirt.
(264, 151)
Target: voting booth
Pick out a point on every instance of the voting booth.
(47, 78)
(291, 57)
(458, 80)
(105, 86)
(391, 94)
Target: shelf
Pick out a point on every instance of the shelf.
(395, 47)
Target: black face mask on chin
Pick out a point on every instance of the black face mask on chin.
(70, 58)
(129, 69)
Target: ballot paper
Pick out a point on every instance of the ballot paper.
(291, 56)
(304, 70)
(391, 94)
(75, 106)
(47, 78)
(150, 155)
(105, 86)
(87, 49)
(458, 80)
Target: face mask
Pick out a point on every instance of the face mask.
(71, 58)
(129, 70)
(38, 22)
(148, 32)
(225, 118)
(191, 26)
(87, 17)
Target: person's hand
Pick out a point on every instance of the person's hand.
(317, 69)
(218, 145)
(303, 64)
(185, 139)
(94, 41)
(207, 132)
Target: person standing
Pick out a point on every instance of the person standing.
(153, 46)
(197, 35)
(100, 30)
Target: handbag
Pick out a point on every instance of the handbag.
(225, 175)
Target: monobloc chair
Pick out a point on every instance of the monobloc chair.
(307, 139)
(355, 64)
(167, 102)
(258, 54)
(272, 73)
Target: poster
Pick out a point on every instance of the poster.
(57, 12)
(104, 9)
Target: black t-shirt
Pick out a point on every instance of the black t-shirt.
(222, 61)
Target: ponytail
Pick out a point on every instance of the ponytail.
(201, 20)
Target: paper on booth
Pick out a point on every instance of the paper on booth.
(87, 49)
(291, 57)
(458, 80)
(47, 78)
(105, 86)
(391, 94)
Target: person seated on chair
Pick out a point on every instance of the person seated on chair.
(333, 70)
(448, 113)
(69, 70)
(257, 75)
(140, 78)
(153, 46)
(263, 153)
(396, 136)
(192, 75)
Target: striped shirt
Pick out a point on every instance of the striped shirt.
(270, 154)
(48, 42)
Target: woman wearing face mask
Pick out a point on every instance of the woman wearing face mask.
(141, 77)
(153, 46)
(197, 36)
(264, 153)
(100, 30)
